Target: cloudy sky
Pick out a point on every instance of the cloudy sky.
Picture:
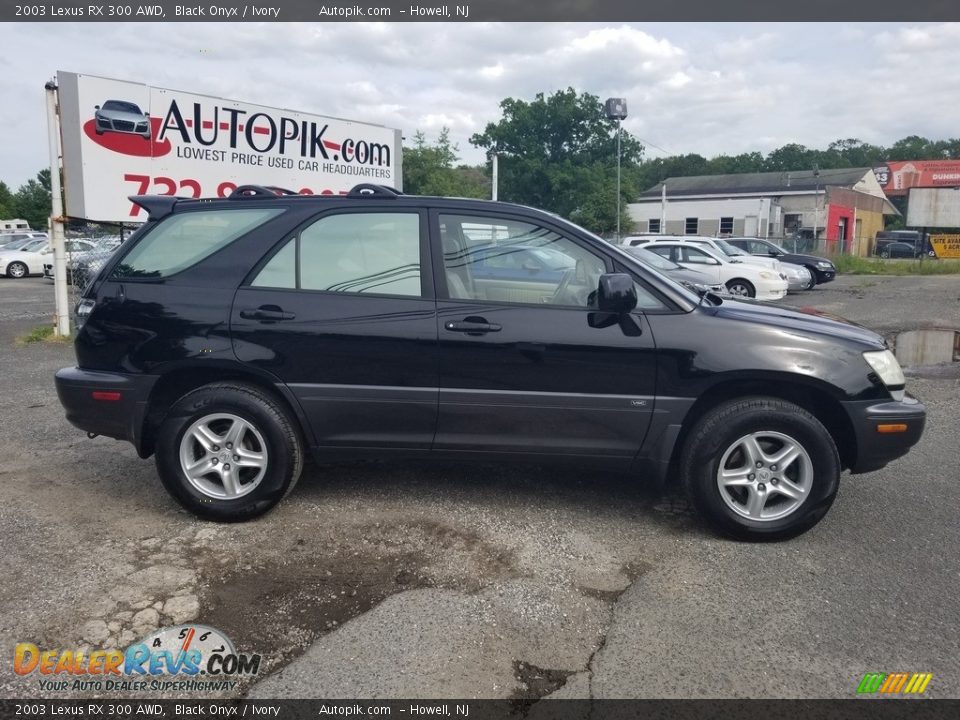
(707, 88)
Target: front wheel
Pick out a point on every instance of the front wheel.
(741, 288)
(760, 469)
(812, 283)
(884, 253)
(228, 452)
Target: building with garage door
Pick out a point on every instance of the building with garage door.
(829, 210)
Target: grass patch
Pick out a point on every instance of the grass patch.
(42, 333)
(851, 265)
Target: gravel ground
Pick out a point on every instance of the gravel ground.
(412, 580)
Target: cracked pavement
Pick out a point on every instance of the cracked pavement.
(434, 580)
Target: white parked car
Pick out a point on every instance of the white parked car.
(26, 257)
(740, 278)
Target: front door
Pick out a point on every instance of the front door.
(525, 366)
(343, 313)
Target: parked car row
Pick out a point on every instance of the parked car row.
(83, 266)
(802, 272)
(21, 258)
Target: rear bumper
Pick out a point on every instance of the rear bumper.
(118, 409)
(874, 448)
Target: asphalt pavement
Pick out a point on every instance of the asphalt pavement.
(436, 580)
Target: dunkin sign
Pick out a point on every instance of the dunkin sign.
(122, 138)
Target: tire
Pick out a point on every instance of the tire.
(743, 287)
(718, 441)
(814, 280)
(263, 428)
(884, 253)
(17, 270)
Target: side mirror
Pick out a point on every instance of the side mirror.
(96, 107)
(616, 293)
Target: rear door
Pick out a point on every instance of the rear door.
(343, 312)
(534, 372)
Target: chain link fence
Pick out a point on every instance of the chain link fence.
(83, 264)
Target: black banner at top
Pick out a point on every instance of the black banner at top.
(850, 11)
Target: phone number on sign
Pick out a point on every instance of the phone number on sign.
(160, 185)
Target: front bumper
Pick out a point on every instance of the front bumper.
(874, 448)
(825, 276)
(102, 403)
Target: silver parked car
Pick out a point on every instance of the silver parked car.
(797, 276)
(121, 116)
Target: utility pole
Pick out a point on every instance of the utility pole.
(616, 109)
(816, 204)
(494, 174)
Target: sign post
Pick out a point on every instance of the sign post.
(62, 328)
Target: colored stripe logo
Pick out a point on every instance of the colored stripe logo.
(900, 683)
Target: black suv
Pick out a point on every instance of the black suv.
(227, 337)
(821, 269)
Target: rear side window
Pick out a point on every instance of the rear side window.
(181, 241)
(351, 253)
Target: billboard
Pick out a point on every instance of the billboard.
(933, 208)
(896, 178)
(123, 138)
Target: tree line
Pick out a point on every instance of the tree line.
(558, 152)
(31, 201)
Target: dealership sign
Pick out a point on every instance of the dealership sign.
(122, 138)
(896, 178)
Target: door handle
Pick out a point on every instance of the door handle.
(472, 326)
(267, 313)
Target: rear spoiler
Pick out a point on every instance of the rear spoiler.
(157, 206)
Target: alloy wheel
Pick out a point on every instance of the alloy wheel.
(765, 476)
(223, 456)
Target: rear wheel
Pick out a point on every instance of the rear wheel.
(760, 469)
(741, 288)
(17, 270)
(228, 452)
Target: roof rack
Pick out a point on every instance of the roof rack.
(373, 191)
(252, 191)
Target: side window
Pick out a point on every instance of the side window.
(661, 251)
(692, 255)
(566, 273)
(351, 253)
(181, 241)
(757, 248)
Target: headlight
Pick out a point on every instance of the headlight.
(824, 264)
(887, 368)
(767, 275)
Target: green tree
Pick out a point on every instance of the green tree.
(32, 200)
(7, 203)
(430, 170)
(559, 152)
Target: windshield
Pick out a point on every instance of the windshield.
(729, 249)
(17, 244)
(121, 106)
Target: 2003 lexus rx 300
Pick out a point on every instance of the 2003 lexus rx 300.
(228, 337)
